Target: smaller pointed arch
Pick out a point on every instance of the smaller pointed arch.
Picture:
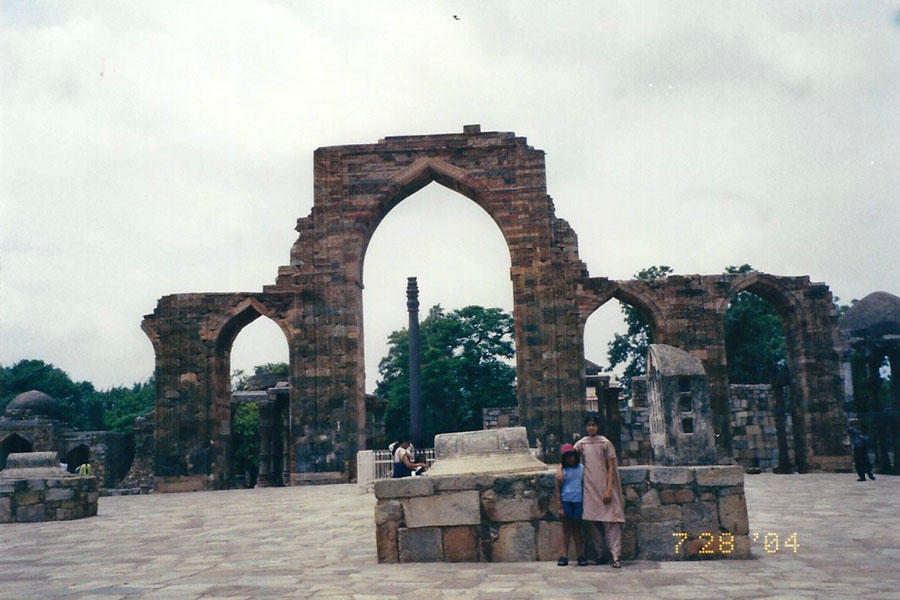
(766, 287)
(244, 313)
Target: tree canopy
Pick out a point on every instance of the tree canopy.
(754, 338)
(465, 358)
(83, 406)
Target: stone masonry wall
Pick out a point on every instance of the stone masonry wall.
(316, 300)
(48, 499)
(636, 449)
(34, 488)
(688, 311)
(511, 518)
(753, 427)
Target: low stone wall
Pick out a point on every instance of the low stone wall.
(672, 513)
(31, 490)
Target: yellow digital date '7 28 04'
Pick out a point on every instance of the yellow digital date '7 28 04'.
(723, 543)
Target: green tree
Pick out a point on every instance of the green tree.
(78, 400)
(630, 349)
(245, 440)
(122, 405)
(465, 356)
(241, 380)
(754, 338)
(83, 407)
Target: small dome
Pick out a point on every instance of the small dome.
(876, 315)
(35, 402)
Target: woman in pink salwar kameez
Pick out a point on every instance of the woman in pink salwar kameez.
(604, 507)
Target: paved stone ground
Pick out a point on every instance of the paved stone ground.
(319, 542)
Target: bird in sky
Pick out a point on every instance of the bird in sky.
(456, 17)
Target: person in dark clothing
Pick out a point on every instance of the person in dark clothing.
(861, 444)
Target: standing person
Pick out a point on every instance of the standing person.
(861, 454)
(403, 460)
(569, 496)
(604, 508)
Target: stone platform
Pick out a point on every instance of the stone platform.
(672, 513)
(317, 543)
(34, 488)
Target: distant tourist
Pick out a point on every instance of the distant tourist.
(403, 460)
(861, 443)
(604, 507)
(569, 497)
(85, 470)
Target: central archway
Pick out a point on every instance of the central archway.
(461, 259)
(356, 187)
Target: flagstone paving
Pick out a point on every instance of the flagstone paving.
(319, 542)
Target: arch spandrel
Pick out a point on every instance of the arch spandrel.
(225, 327)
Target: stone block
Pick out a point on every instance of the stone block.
(629, 541)
(58, 494)
(668, 512)
(7, 488)
(703, 548)
(404, 487)
(632, 475)
(549, 540)
(651, 498)
(508, 509)
(420, 545)
(36, 485)
(672, 475)
(386, 542)
(488, 441)
(515, 543)
(720, 475)
(442, 510)
(700, 517)
(31, 514)
(741, 547)
(28, 499)
(676, 496)
(631, 496)
(473, 481)
(460, 544)
(655, 540)
(5, 510)
(388, 510)
(733, 514)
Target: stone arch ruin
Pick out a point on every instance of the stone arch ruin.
(317, 302)
(13, 443)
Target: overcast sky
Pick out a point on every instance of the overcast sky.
(152, 148)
